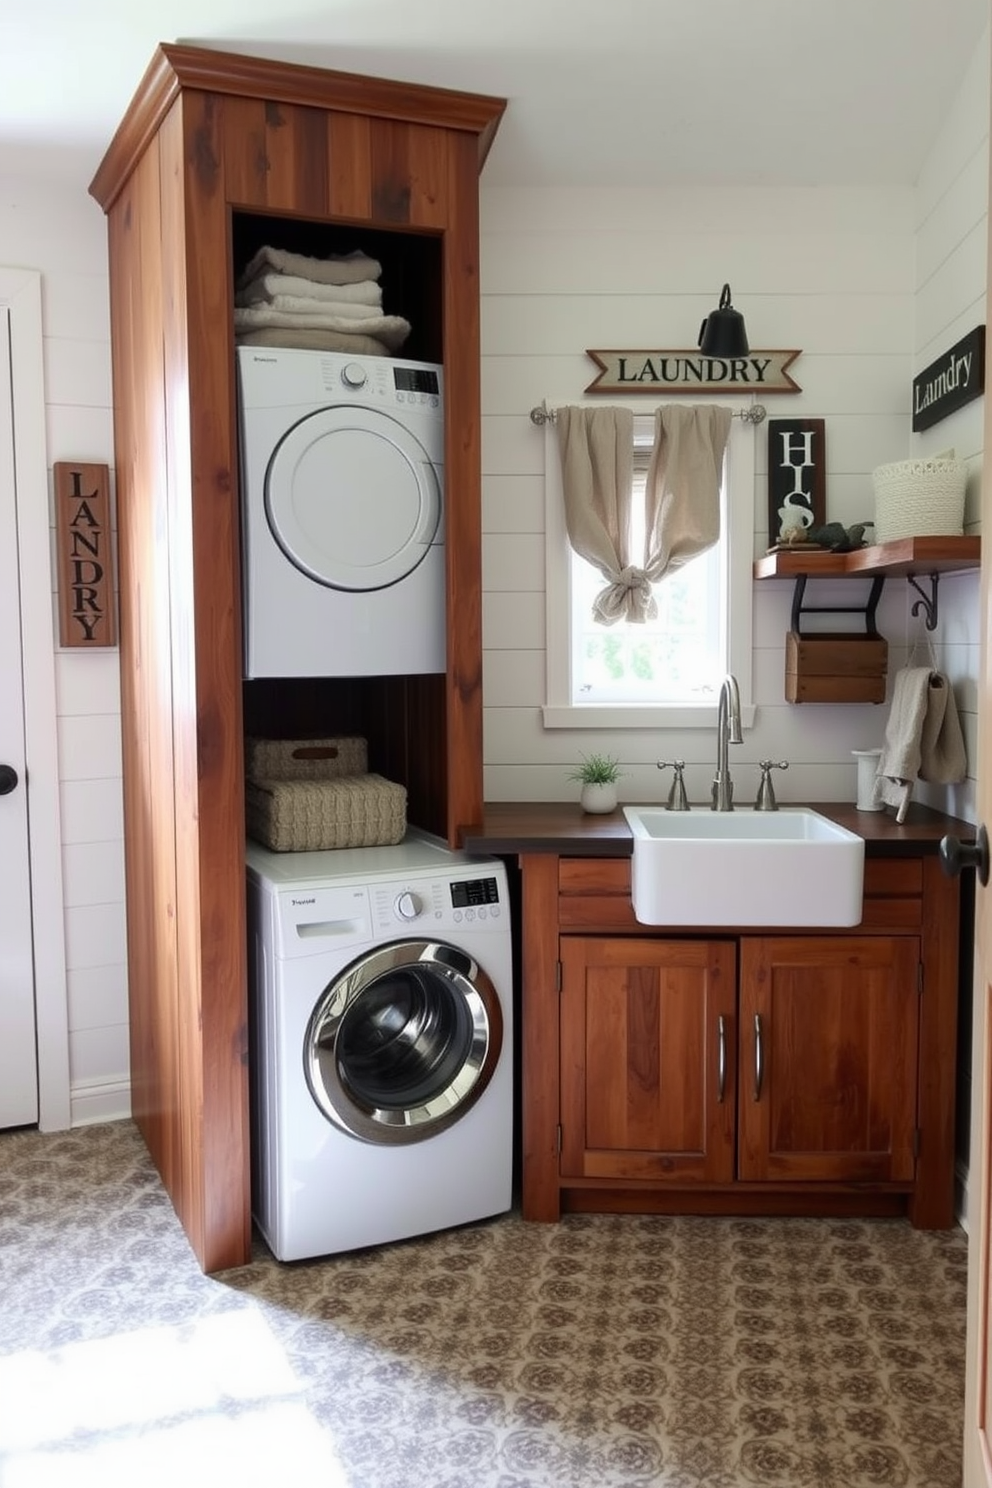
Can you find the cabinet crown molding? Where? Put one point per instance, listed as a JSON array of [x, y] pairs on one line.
[[174, 68]]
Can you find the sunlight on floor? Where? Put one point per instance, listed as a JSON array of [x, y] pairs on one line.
[[214, 1401]]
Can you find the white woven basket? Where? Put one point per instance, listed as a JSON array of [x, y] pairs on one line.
[[919, 498]]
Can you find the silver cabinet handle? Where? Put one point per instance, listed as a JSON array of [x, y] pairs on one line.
[[721, 1059], [759, 1058]]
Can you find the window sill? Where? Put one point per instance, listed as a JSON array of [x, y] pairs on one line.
[[605, 716]]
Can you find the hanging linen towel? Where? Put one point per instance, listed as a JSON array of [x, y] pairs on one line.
[[923, 739]]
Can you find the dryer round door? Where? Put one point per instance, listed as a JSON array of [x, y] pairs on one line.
[[352, 498], [403, 1042]]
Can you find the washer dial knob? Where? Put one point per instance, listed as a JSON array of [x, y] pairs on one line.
[[408, 906], [353, 375]]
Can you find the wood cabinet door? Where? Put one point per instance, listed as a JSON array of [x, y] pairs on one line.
[[828, 1058], [648, 1068]]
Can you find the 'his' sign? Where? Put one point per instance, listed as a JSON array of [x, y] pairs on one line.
[[82, 524]]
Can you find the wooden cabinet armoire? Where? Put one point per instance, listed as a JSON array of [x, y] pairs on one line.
[[217, 155]]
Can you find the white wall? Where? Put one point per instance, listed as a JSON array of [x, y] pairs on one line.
[[870, 285], [829, 271], [64, 236], [951, 245], [951, 249]]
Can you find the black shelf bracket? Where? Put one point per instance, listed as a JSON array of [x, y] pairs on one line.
[[868, 609], [926, 602]]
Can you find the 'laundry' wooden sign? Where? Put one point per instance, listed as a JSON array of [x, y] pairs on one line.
[[82, 525], [690, 372]]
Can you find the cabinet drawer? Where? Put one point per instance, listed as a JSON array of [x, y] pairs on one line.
[[595, 892], [892, 878]]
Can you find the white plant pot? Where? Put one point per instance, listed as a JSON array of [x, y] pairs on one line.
[[599, 797]]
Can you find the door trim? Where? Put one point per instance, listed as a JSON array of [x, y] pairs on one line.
[[20, 294]]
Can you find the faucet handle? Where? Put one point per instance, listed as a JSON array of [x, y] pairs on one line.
[[766, 794], [677, 798]]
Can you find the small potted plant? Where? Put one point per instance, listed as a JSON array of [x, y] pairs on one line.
[[598, 774]]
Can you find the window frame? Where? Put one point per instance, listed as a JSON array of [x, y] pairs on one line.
[[559, 711]]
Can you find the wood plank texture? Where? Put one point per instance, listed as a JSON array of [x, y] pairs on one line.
[[639, 1059], [830, 1049], [907, 555], [215, 155]]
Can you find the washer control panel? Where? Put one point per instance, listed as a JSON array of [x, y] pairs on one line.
[[433, 905]]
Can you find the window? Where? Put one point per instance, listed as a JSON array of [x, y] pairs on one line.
[[669, 670]]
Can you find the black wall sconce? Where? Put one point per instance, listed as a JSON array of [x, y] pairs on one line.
[[722, 333]]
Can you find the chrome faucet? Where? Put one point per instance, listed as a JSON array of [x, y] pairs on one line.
[[728, 731]]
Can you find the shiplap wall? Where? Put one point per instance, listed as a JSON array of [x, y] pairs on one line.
[[949, 299], [832, 272], [64, 235], [870, 285]]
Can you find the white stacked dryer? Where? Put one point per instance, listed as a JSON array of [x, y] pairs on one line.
[[381, 1044], [342, 487]]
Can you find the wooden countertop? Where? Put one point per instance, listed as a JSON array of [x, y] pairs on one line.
[[562, 827]]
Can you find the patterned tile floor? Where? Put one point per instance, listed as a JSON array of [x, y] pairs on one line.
[[604, 1352]]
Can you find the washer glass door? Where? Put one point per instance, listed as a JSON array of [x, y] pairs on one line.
[[403, 1042]]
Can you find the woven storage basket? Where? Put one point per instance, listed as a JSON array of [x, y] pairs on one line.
[[311, 815], [305, 759], [919, 498]]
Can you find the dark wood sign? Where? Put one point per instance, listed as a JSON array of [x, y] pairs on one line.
[[951, 381], [797, 476], [657, 372], [86, 584]]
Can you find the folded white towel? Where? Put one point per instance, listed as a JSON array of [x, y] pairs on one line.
[[310, 305], [392, 330], [266, 287], [923, 737], [314, 340], [347, 268]]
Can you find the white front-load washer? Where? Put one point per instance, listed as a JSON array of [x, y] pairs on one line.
[[342, 500], [381, 1040]]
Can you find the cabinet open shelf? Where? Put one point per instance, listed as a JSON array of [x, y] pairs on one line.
[[908, 555], [905, 558]]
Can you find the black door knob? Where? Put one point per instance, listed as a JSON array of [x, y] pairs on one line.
[[955, 855], [8, 779]]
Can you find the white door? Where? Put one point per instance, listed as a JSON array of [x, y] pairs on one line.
[[18, 1058]]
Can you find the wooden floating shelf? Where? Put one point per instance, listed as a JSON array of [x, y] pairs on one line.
[[909, 555]]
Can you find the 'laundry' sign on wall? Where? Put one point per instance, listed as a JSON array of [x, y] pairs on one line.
[[951, 381], [82, 525], [691, 372]]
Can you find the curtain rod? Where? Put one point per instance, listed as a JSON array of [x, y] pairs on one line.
[[756, 414]]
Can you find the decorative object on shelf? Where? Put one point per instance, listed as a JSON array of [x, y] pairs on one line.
[[832, 537], [920, 498], [85, 565], [950, 382], [722, 333], [797, 477], [598, 774]]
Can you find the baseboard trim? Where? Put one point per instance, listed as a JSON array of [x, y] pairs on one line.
[[100, 1100]]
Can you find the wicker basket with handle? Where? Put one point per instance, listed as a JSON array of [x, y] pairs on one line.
[[305, 759]]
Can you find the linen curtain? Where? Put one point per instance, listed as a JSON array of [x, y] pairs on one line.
[[681, 496]]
